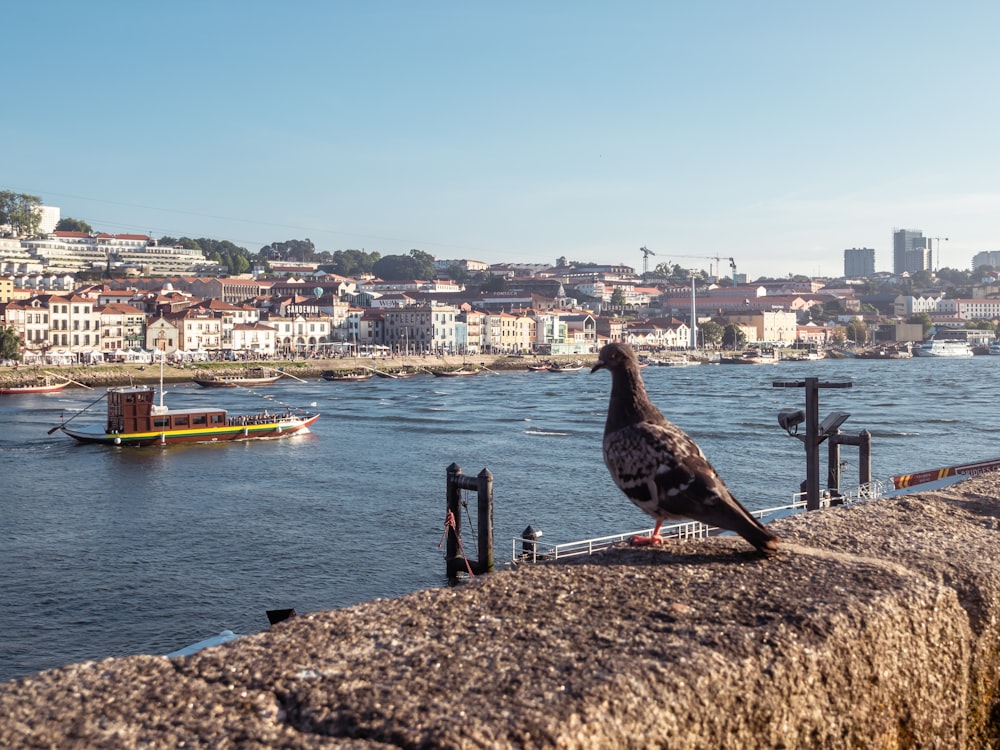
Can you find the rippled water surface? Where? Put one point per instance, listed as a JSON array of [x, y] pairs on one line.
[[113, 551]]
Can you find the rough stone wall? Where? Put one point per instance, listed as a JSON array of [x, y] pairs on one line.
[[875, 627]]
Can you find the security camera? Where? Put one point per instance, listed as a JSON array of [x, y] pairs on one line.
[[790, 419]]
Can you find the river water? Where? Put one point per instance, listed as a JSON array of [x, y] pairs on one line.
[[113, 551]]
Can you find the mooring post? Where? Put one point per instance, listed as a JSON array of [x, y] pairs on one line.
[[865, 457], [453, 558], [484, 488], [833, 464], [863, 441]]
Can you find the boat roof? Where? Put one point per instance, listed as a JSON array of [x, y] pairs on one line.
[[203, 410], [167, 409]]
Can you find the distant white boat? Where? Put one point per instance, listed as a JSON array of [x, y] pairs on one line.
[[994, 348], [943, 348], [751, 357]]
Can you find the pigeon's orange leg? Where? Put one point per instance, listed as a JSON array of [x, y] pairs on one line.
[[643, 541]]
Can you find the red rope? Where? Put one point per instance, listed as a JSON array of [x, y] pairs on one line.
[[449, 523]]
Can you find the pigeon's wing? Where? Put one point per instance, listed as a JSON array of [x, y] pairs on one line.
[[644, 456], [663, 471]]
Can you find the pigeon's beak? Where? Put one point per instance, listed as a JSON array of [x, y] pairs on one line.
[[598, 365]]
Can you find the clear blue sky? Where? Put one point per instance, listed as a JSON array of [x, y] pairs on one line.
[[778, 133]]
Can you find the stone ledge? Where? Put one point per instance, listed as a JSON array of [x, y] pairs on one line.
[[876, 626]]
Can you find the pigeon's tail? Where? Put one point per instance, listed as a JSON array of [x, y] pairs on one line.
[[765, 541], [736, 518]]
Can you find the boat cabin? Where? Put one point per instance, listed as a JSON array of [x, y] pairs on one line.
[[132, 410]]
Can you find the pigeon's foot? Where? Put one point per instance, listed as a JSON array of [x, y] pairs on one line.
[[647, 541]]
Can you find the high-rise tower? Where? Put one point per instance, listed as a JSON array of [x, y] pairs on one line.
[[859, 262], [909, 251]]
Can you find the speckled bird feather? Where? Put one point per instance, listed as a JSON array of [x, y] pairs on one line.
[[649, 460]]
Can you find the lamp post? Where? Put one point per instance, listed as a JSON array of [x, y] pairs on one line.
[[816, 431], [694, 318]]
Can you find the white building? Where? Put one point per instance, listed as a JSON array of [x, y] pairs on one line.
[[15, 259], [73, 252], [970, 309], [300, 334], [420, 328], [49, 219], [906, 305], [122, 327], [255, 339]]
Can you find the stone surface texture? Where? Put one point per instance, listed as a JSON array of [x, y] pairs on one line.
[[875, 626]]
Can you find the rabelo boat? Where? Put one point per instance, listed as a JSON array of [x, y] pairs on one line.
[[134, 419]]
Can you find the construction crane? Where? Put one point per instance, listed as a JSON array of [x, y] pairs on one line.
[[718, 261], [646, 252]]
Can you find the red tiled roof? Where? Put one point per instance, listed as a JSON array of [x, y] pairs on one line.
[[118, 307]]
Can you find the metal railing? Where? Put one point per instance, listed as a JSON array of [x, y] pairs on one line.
[[532, 550]]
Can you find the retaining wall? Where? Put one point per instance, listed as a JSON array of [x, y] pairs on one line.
[[876, 626]]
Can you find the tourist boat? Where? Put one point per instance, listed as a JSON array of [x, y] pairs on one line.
[[994, 348], [134, 419], [253, 377], [347, 377], [943, 348], [41, 385]]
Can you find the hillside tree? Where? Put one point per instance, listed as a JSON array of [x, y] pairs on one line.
[[21, 213], [73, 225], [416, 265], [296, 251], [352, 263], [10, 344]]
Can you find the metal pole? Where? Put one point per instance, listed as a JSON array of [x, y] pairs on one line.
[[812, 443]]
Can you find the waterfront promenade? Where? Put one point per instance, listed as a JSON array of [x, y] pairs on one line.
[[119, 374], [877, 625]]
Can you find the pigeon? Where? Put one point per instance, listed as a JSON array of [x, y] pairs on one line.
[[659, 467]]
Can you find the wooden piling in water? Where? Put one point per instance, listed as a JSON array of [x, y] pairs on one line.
[[456, 559]]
